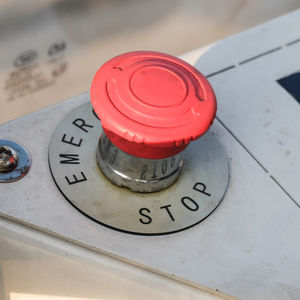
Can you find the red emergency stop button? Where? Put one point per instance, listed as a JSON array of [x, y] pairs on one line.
[[152, 105]]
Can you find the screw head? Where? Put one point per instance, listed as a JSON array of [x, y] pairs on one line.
[[8, 158]]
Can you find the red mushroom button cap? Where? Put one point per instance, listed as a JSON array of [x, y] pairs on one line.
[[152, 105]]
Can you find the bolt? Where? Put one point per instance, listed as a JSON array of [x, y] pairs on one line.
[[8, 159]]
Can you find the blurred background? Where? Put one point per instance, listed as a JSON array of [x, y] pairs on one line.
[[51, 49]]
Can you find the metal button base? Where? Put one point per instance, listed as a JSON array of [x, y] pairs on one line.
[[195, 194], [137, 174]]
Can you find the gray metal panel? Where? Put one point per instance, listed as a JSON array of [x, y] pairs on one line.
[[249, 246]]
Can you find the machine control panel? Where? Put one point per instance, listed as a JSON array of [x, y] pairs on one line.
[[248, 158]]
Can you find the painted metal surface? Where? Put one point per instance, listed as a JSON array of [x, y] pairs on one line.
[[37, 266]]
